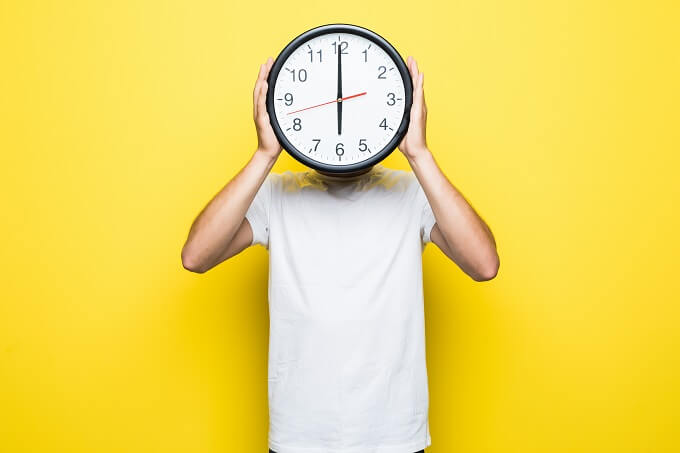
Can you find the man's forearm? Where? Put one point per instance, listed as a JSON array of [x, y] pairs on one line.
[[215, 226], [464, 231]]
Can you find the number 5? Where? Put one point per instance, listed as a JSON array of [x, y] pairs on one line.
[[362, 145]]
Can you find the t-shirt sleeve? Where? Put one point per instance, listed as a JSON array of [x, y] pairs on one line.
[[424, 211], [258, 212]]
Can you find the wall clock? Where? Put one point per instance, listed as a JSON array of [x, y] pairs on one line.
[[339, 98]]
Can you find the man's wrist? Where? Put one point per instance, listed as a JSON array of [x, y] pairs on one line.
[[265, 156], [415, 157]]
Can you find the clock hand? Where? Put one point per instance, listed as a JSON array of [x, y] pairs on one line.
[[329, 102], [339, 96]]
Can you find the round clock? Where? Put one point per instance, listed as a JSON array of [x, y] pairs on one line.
[[339, 98]]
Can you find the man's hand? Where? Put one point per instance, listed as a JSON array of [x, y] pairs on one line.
[[221, 230], [267, 143], [459, 231], [414, 142]]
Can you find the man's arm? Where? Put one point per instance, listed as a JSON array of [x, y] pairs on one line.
[[459, 231], [221, 230]]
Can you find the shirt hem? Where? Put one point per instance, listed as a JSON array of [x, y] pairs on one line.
[[412, 447]]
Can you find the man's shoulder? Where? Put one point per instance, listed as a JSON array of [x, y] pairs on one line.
[[394, 179], [290, 180], [397, 174]]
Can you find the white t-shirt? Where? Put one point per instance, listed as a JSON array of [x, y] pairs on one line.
[[346, 370]]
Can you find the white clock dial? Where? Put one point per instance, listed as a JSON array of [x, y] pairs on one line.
[[339, 109]]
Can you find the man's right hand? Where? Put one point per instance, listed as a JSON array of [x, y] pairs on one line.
[[267, 143], [221, 230]]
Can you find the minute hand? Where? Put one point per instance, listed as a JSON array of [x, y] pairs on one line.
[[339, 96]]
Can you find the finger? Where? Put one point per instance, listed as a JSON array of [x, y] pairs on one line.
[[256, 90], [414, 69], [261, 102], [262, 96], [417, 86], [417, 106], [409, 64], [263, 69], [267, 67], [256, 95], [420, 94]]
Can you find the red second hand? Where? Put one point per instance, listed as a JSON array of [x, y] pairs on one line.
[[329, 102]]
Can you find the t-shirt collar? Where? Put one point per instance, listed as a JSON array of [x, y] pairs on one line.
[[347, 178]]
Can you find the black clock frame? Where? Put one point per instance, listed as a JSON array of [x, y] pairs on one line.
[[408, 97]]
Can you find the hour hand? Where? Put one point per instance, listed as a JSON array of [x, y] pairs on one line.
[[339, 96]]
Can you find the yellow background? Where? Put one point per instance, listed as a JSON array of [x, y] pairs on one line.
[[119, 120]]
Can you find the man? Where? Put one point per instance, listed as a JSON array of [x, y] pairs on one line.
[[347, 371]]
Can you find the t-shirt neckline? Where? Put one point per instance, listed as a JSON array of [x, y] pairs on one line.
[[368, 174]]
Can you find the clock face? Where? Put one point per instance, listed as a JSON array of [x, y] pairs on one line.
[[339, 98]]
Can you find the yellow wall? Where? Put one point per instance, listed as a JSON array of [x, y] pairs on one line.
[[119, 120]]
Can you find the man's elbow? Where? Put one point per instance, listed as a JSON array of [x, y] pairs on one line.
[[489, 270], [191, 264]]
